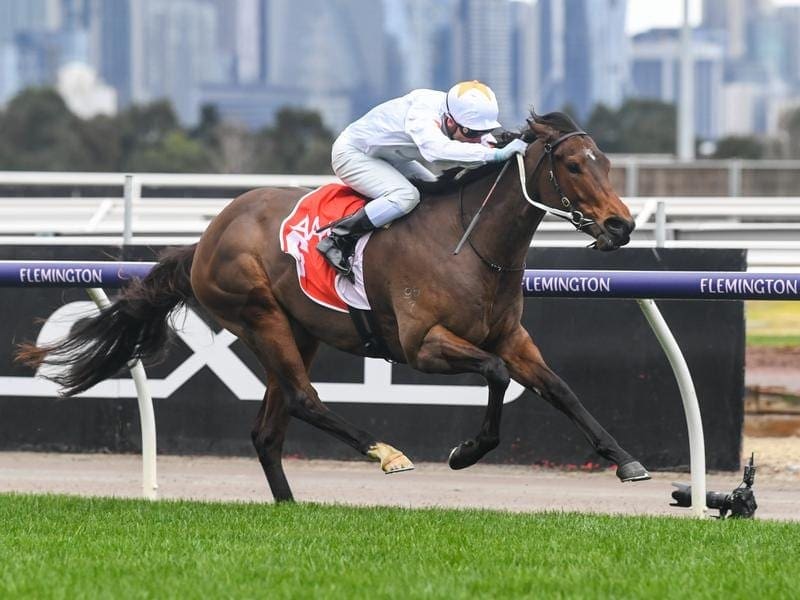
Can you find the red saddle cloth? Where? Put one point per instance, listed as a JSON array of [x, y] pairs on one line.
[[299, 238]]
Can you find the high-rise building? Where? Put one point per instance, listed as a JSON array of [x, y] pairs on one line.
[[76, 14], [39, 37], [27, 15], [252, 106], [730, 17], [762, 54], [765, 43], [110, 34], [173, 52], [755, 108], [419, 30], [482, 49], [551, 54], [249, 45], [656, 75], [526, 87], [226, 42], [334, 49], [584, 54], [789, 17], [608, 52], [40, 54], [9, 74], [579, 42]]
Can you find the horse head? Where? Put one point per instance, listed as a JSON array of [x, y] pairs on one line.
[[568, 172]]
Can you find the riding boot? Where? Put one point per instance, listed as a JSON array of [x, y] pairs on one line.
[[339, 246]]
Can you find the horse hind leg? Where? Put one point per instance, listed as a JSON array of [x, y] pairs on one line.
[[269, 429], [269, 432], [286, 354]]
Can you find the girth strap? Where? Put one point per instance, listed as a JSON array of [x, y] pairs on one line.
[[374, 345]]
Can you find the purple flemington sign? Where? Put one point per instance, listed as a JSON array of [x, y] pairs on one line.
[[62, 274], [700, 285], [688, 285]]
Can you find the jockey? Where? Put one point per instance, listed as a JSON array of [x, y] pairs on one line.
[[417, 135]]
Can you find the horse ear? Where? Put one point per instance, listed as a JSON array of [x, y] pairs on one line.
[[541, 130]]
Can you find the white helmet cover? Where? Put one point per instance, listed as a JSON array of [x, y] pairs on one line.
[[473, 104]]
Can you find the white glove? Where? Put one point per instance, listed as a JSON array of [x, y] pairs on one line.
[[513, 147]]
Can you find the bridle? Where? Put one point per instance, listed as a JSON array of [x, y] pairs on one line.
[[573, 216]]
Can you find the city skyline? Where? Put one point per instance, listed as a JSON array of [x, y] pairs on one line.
[[647, 14], [249, 58]]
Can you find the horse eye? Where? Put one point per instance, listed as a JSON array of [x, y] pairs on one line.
[[573, 168]]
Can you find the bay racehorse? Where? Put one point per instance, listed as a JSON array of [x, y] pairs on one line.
[[464, 314]]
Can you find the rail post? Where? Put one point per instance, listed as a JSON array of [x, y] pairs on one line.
[[132, 193], [661, 224], [147, 416], [691, 408]]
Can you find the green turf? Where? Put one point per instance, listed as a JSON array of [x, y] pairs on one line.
[[772, 323], [63, 547], [773, 340]]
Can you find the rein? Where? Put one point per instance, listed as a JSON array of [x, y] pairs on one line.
[[487, 262], [575, 217]]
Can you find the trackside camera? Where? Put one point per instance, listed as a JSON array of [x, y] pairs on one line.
[[740, 503]]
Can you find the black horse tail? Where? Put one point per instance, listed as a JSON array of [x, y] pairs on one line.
[[134, 326]]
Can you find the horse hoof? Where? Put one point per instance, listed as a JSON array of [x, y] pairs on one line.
[[397, 463], [632, 471], [459, 459], [391, 459]]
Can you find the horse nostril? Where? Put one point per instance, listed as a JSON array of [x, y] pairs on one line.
[[619, 228]]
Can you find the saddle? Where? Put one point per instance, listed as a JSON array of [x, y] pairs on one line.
[[299, 235]]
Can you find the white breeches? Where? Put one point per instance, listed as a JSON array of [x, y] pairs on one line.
[[391, 194]]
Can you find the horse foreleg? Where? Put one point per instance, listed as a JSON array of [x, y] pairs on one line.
[[444, 352], [526, 366]]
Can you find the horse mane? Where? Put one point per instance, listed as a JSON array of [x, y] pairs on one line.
[[452, 178], [455, 178]]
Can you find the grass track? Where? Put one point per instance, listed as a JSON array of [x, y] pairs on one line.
[[773, 322], [67, 547]]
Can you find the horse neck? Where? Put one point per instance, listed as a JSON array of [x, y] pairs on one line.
[[507, 224]]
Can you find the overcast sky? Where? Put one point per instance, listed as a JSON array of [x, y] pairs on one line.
[[644, 14]]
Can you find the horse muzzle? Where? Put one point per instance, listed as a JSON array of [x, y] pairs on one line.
[[614, 233]]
